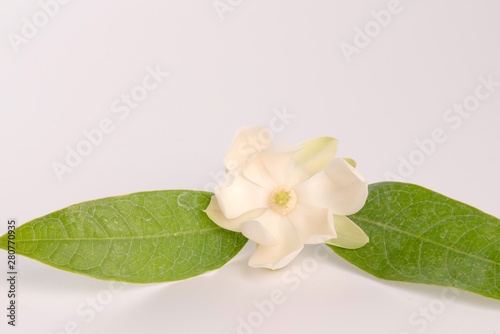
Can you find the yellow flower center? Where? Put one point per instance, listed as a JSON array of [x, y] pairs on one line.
[[283, 200]]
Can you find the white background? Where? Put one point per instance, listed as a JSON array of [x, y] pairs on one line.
[[228, 70]]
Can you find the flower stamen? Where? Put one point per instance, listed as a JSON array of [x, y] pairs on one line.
[[282, 200]]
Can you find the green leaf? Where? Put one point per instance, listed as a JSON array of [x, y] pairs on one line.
[[419, 236], [144, 237]]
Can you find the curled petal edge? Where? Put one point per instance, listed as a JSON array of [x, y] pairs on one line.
[[317, 153], [349, 235], [215, 213]]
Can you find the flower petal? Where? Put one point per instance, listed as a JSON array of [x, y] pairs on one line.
[[279, 162], [238, 196], [257, 232], [246, 143], [340, 187], [214, 212], [287, 248], [313, 225], [349, 235], [256, 172], [299, 175], [317, 153]]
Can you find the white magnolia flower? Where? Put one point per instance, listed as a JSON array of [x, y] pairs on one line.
[[284, 196]]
